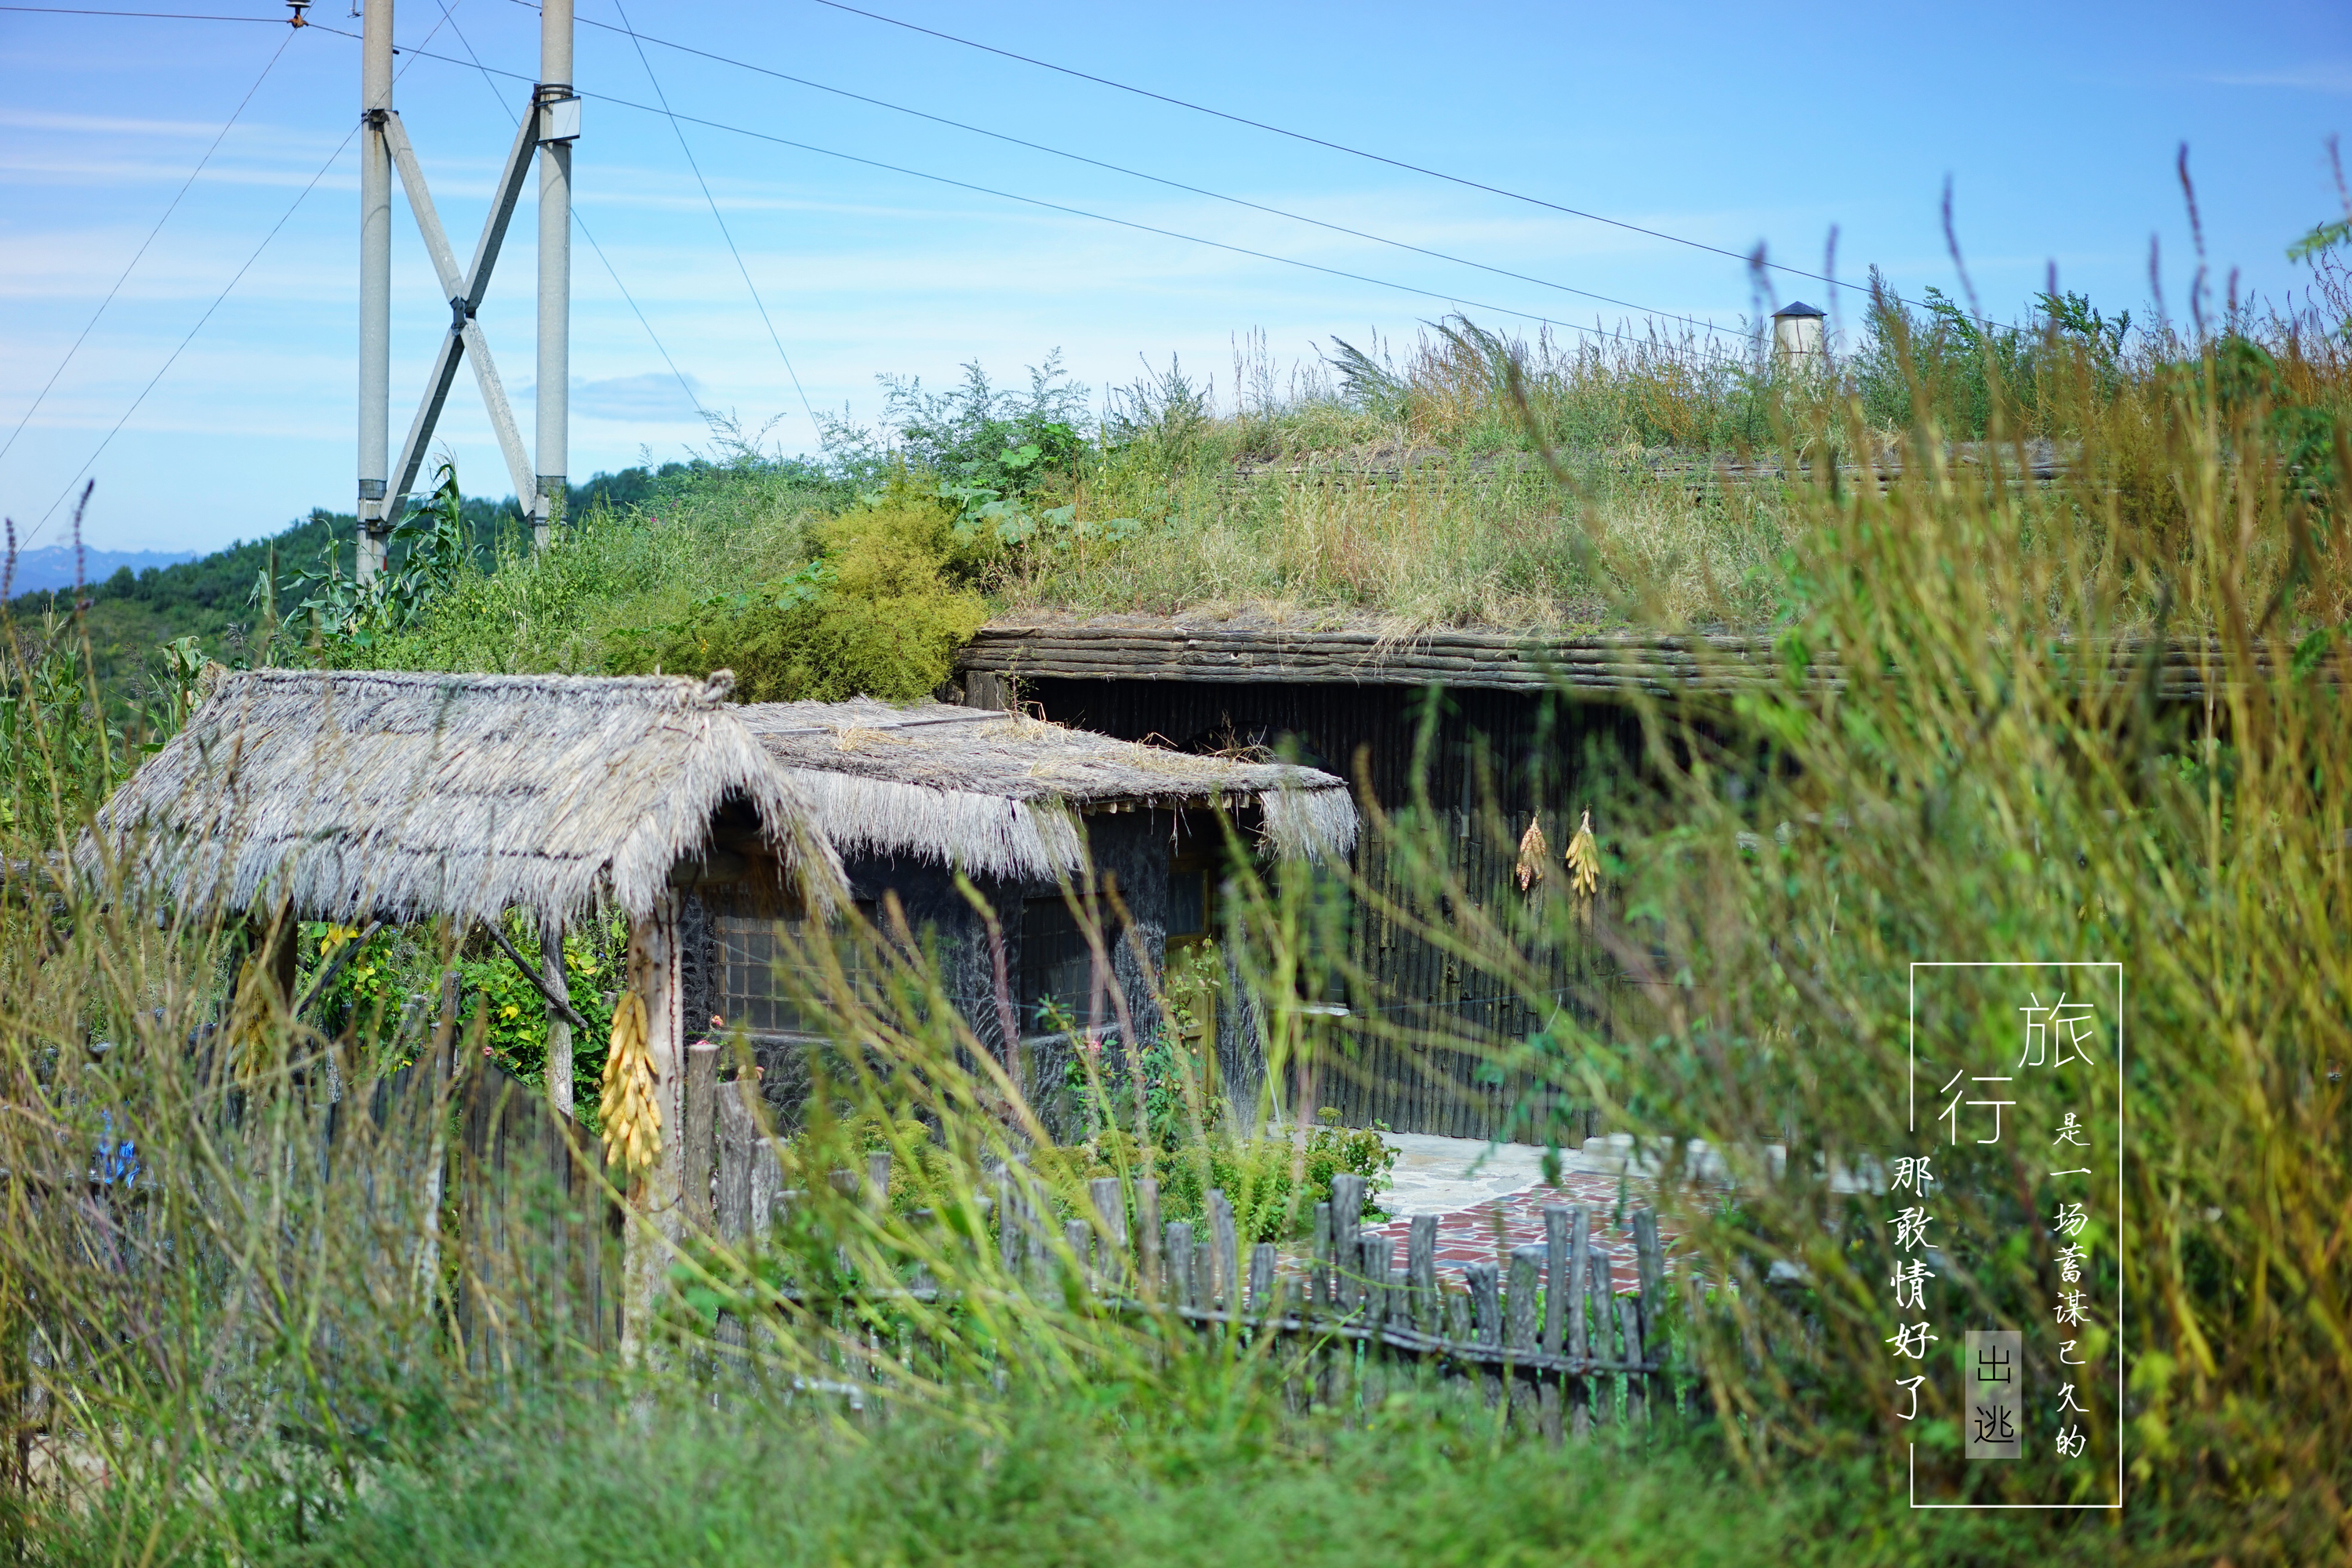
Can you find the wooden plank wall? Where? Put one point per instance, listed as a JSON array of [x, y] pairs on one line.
[[1606, 664]]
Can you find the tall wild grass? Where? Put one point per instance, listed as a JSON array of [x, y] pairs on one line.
[[228, 1338]]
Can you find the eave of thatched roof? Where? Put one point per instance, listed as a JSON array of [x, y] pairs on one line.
[[996, 792], [406, 794]]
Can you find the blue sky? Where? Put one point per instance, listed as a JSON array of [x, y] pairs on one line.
[[2057, 126]]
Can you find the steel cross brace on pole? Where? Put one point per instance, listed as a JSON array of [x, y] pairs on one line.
[[465, 339]]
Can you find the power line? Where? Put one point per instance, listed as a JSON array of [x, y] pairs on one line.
[[184, 341], [1334, 146], [578, 222], [642, 39], [149, 15], [283, 219], [683, 386], [1455, 299], [186, 186], [758, 303]]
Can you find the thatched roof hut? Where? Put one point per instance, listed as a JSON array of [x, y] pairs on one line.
[[995, 793], [404, 796]]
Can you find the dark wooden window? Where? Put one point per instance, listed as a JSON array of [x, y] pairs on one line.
[[756, 956], [1187, 900], [1057, 969]]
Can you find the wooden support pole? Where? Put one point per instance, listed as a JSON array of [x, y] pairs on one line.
[[558, 990], [445, 1028], [283, 958]]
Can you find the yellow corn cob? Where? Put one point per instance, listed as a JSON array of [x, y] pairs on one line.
[[631, 1116], [1531, 856], [1584, 861]]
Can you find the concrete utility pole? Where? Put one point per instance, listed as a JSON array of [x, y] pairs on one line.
[[556, 102], [548, 126], [375, 282]]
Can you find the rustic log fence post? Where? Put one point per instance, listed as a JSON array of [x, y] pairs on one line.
[[1600, 1313], [1319, 1277], [1263, 1259], [1421, 1270], [1650, 1265], [1486, 1318], [1629, 1319], [1147, 1236], [1178, 1251], [735, 1136], [770, 1200], [1226, 1243], [1383, 1298], [1520, 1320], [701, 1111], [1009, 1248], [1110, 1230], [1555, 1315], [1580, 1337]]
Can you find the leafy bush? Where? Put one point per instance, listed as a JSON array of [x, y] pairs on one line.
[[877, 613], [1274, 1182], [368, 993], [1010, 443]]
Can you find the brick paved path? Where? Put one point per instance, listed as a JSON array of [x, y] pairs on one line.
[[1487, 1231]]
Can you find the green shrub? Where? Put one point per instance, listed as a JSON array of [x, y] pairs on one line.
[[878, 613], [1274, 1182]]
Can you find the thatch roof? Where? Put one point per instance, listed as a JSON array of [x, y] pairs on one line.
[[994, 792], [405, 795]]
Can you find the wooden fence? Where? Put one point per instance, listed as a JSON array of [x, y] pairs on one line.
[[1554, 1340], [538, 1237]]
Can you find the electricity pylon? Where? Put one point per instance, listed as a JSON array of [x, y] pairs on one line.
[[549, 124]]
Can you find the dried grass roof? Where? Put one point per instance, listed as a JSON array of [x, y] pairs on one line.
[[405, 795], [994, 792]]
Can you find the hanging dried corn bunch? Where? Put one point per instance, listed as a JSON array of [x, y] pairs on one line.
[[1584, 865], [632, 1118], [1532, 852]]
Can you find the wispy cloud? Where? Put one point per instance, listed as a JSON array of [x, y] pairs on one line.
[[653, 397], [2314, 76]]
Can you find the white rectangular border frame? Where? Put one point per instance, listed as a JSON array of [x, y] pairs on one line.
[[1911, 1450]]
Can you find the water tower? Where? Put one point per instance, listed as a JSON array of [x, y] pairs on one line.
[[1797, 344]]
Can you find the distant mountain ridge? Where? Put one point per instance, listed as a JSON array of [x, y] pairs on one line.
[[52, 566]]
